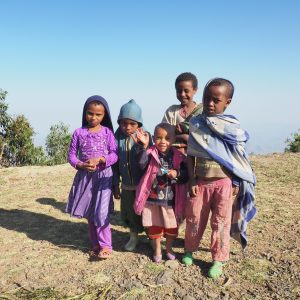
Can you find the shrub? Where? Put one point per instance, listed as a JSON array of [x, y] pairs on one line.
[[5, 119], [293, 143], [57, 144], [20, 150]]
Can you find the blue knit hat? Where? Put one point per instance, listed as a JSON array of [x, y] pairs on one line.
[[132, 111]]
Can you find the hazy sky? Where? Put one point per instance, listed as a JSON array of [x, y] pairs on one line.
[[55, 54]]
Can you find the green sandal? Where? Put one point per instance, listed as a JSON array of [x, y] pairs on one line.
[[216, 270], [188, 258]]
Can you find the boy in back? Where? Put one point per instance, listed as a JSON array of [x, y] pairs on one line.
[[179, 115]]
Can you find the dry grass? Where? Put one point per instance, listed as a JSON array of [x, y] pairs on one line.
[[44, 251]]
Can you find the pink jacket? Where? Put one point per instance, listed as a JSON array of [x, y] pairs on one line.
[[144, 186]]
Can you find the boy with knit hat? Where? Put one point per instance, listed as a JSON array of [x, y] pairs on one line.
[[126, 170]]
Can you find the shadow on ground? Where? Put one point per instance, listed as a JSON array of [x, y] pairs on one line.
[[53, 202], [43, 227], [61, 206]]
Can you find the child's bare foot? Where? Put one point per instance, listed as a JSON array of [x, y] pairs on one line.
[[104, 253]]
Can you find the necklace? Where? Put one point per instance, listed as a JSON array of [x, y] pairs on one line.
[[184, 111]]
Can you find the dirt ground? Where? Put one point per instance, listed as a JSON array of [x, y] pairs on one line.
[[44, 252]]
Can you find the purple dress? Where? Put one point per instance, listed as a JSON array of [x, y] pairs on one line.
[[91, 192]]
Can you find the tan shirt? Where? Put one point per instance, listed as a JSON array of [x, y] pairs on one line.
[[172, 115]]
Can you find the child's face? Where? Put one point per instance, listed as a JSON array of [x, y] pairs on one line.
[[215, 100], [163, 140], [185, 92], [94, 114], [128, 126]]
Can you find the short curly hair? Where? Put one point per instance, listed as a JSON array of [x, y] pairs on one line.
[[167, 127], [187, 76], [220, 82]]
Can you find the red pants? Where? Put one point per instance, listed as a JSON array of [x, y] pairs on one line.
[[156, 232], [214, 196]]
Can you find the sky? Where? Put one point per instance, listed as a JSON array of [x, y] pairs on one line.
[[55, 54]]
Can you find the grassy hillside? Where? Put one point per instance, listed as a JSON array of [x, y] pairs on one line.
[[44, 251]]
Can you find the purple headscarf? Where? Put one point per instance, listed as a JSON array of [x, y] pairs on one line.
[[107, 119]]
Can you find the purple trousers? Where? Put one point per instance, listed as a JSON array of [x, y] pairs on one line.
[[100, 236]]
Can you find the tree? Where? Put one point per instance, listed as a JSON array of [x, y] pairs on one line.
[[5, 121], [4, 116], [293, 143], [20, 149], [57, 144]]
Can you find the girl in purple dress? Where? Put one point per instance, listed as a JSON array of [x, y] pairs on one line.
[[92, 152]]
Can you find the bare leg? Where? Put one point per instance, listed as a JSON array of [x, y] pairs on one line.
[[157, 247], [169, 242]]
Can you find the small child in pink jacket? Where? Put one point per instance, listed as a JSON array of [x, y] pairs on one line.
[[161, 193]]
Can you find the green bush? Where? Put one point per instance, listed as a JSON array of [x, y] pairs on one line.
[[16, 139], [20, 149], [5, 119], [57, 144], [293, 143]]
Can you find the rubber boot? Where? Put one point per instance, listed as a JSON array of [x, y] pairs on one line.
[[133, 241]]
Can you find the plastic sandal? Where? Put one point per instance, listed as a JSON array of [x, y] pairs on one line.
[[157, 258], [170, 256], [104, 253], [188, 258], [216, 270]]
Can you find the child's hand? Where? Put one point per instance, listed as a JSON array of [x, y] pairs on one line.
[[87, 166], [178, 128], [116, 191], [102, 160], [180, 220], [140, 136], [193, 188], [172, 174], [235, 190], [97, 160]]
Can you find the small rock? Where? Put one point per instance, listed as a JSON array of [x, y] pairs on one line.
[[224, 295], [165, 277], [180, 292], [172, 264], [188, 297], [212, 295], [137, 284]]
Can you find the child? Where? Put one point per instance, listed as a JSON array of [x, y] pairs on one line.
[[129, 119], [160, 195], [92, 152], [216, 161], [186, 85]]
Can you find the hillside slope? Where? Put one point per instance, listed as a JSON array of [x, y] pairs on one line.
[[44, 252]]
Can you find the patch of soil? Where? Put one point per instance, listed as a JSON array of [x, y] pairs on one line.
[[44, 252]]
